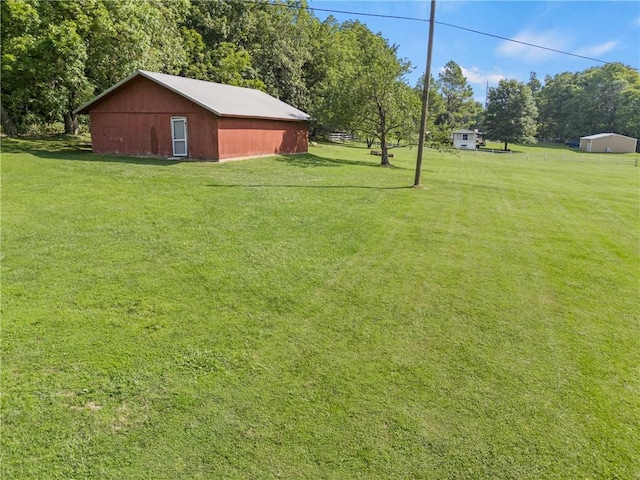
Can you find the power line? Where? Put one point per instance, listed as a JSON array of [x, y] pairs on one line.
[[520, 42], [415, 19], [366, 14]]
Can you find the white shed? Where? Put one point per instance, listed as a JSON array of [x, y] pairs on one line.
[[608, 143], [466, 139]]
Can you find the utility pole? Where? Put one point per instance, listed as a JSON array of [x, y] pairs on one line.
[[425, 95], [486, 95]]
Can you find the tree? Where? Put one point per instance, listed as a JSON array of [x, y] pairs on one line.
[[380, 101], [335, 59], [256, 44], [126, 35], [511, 113], [43, 65], [19, 28], [278, 44], [599, 99], [457, 95], [57, 55], [601, 95], [212, 37], [556, 107], [628, 116], [232, 65], [328, 60], [64, 83], [534, 84], [438, 134]]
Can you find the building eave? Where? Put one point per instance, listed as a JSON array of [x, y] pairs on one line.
[[85, 109]]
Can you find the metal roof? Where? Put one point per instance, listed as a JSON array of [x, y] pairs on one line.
[[602, 135], [465, 130], [223, 100]]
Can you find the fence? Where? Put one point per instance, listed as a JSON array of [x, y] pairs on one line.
[[340, 137], [568, 156]]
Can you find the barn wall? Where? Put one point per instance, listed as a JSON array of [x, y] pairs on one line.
[[136, 119], [150, 134], [246, 137]]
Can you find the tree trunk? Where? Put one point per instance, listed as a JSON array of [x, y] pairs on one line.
[[505, 146], [370, 141], [9, 127], [70, 123], [385, 152], [383, 137]]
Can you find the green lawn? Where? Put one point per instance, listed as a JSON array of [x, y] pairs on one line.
[[314, 317]]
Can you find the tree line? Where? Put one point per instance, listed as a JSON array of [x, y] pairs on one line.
[[58, 55]]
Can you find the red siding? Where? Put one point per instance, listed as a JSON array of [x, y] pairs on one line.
[[136, 119], [246, 137], [150, 134]]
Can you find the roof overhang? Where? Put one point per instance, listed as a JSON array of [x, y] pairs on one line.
[[85, 109], [605, 135]]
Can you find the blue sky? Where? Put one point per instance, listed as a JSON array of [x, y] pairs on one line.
[[604, 30]]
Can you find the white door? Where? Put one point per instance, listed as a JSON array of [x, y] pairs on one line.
[[179, 136]]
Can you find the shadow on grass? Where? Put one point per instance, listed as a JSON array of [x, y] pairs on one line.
[[253, 185], [309, 160], [552, 145], [354, 145], [363, 146], [514, 148], [73, 148], [78, 148], [47, 144]]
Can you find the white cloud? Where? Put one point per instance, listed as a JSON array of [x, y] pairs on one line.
[[598, 49], [479, 79], [475, 76], [554, 39], [453, 6]]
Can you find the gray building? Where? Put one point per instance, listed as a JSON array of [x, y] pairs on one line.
[[608, 143]]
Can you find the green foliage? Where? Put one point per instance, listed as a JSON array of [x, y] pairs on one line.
[[223, 63], [534, 84], [43, 63], [556, 107], [373, 99], [511, 113], [278, 47], [460, 110], [57, 55], [279, 51], [254, 44], [597, 100], [130, 35]]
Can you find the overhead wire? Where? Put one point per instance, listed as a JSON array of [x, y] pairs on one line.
[[416, 19]]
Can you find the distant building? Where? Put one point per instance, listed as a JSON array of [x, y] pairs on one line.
[[608, 143], [467, 139], [154, 114]]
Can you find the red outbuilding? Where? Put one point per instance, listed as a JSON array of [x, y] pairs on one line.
[[154, 114]]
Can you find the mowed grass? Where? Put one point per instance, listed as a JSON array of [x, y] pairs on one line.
[[314, 317]]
